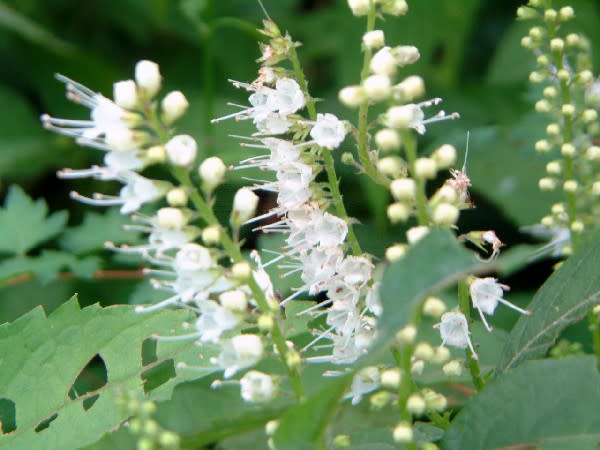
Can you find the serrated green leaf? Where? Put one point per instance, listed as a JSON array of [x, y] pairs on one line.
[[42, 356], [562, 300], [96, 229], [432, 264], [25, 224], [536, 403], [302, 426], [47, 265]]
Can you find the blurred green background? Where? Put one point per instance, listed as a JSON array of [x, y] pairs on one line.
[[470, 56]]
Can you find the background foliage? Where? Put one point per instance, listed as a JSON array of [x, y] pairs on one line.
[[470, 56]]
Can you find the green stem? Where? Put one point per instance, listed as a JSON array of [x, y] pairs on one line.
[[594, 323], [410, 147], [328, 161], [465, 308]]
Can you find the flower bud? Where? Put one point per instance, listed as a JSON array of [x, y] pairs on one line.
[[211, 235], [125, 94], [446, 194], [542, 146], [398, 212], [548, 221], [397, 251], [553, 168], [445, 214], [409, 89], [527, 42], [395, 7], [257, 387], [374, 39], [265, 323], [452, 368], [407, 334], [391, 378], [171, 218], [441, 355], [563, 75], [435, 401], [589, 115], [425, 168], [567, 109], [566, 13], [380, 400], [536, 77], [245, 202], [445, 156], [241, 271], [352, 96], [552, 129], [147, 76], [271, 427], [567, 149], [342, 441], [377, 87], [403, 189], [415, 404], [168, 439], [524, 12], [557, 45], [359, 7], [593, 153], [572, 40], [547, 184], [177, 197], [417, 367], [156, 154], [181, 150], [423, 351], [174, 105], [212, 172], [558, 208], [234, 301], [434, 307], [570, 186], [383, 62], [415, 234], [577, 226], [392, 166], [406, 54], [550, 15], [388, 139], [403, 433], [543, 106]]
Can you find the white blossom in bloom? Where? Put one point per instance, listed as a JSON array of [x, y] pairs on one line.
[[328, 131], [355, 270], [116, 164], [455, 331], [181, 150], [486, 293], [319, 266], [288, 97], [412, 116], [238, 353], [214, 320], [366, 380], [257, 387], [373, 300]]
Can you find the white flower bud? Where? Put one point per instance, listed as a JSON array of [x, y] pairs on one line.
[[257, 387], [359, 7], [374, 39], [553, 168], [570, 186], [388, 139], [585, 77], [265, 322], [552, 129], [415, 404], [404, 189], [377, 87], [410, 88], [425, 168], [423, 351], [417, 367], [536, 77], [452, 368], [567, 109], [383, 62], [212, 172], [390, 166], [445, 156], [174, 105], [563, 75], [245, 202], [550, 15], [577, 226], [181, 150], [125, 94], [352, 96], [566, 13], [543, 106], [434, 400], [434, 307], [407, 334], [398, 212], [271, 427], [147, 76], [542, 146], [596, 188], [550, 92], [527, 42], [171, 218], [589, 115], [397, 251], [403, 433], [547, 184], [241, 271], [593, 153], [395, 7], [156, 154], [406, 54], [234, 301], [445, 214], [558, 208], [548, 221], [415, 234], [441, 355], [391, 378], [572, 40], [567, 149], [446, 194], [211, 235], [177, 197]]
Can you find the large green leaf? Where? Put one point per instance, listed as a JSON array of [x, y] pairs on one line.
[[540, 403], [302, 427], [433, 263], [24, 223], [43, 356], [563, 299]]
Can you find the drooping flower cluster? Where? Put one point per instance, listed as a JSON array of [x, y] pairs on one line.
[[315, 245]]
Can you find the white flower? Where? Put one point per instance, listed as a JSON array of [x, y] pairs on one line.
[[412, 116], [293, 184], [257, 387], [318, 266], [125, 94], [181, 150], [373, 300], [366, 380], [455, 331], [374, 39], [174, 105], [328, 131], [486, 293], [147, 76], [212, 170], [214, 320], [383, 62], [289, 97], [244, 205], [239, 352], [116, 164], [355, 270], [192, 258]]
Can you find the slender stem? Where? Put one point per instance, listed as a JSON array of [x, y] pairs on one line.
[[410, 146], [465, 308], [594, 323], [328, 161]]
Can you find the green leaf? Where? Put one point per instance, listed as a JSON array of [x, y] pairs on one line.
[[96, 229], [563, 299], [302, 426], [535, 404], [24, 223], [435, 262], [43, 356], [47, 265]]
